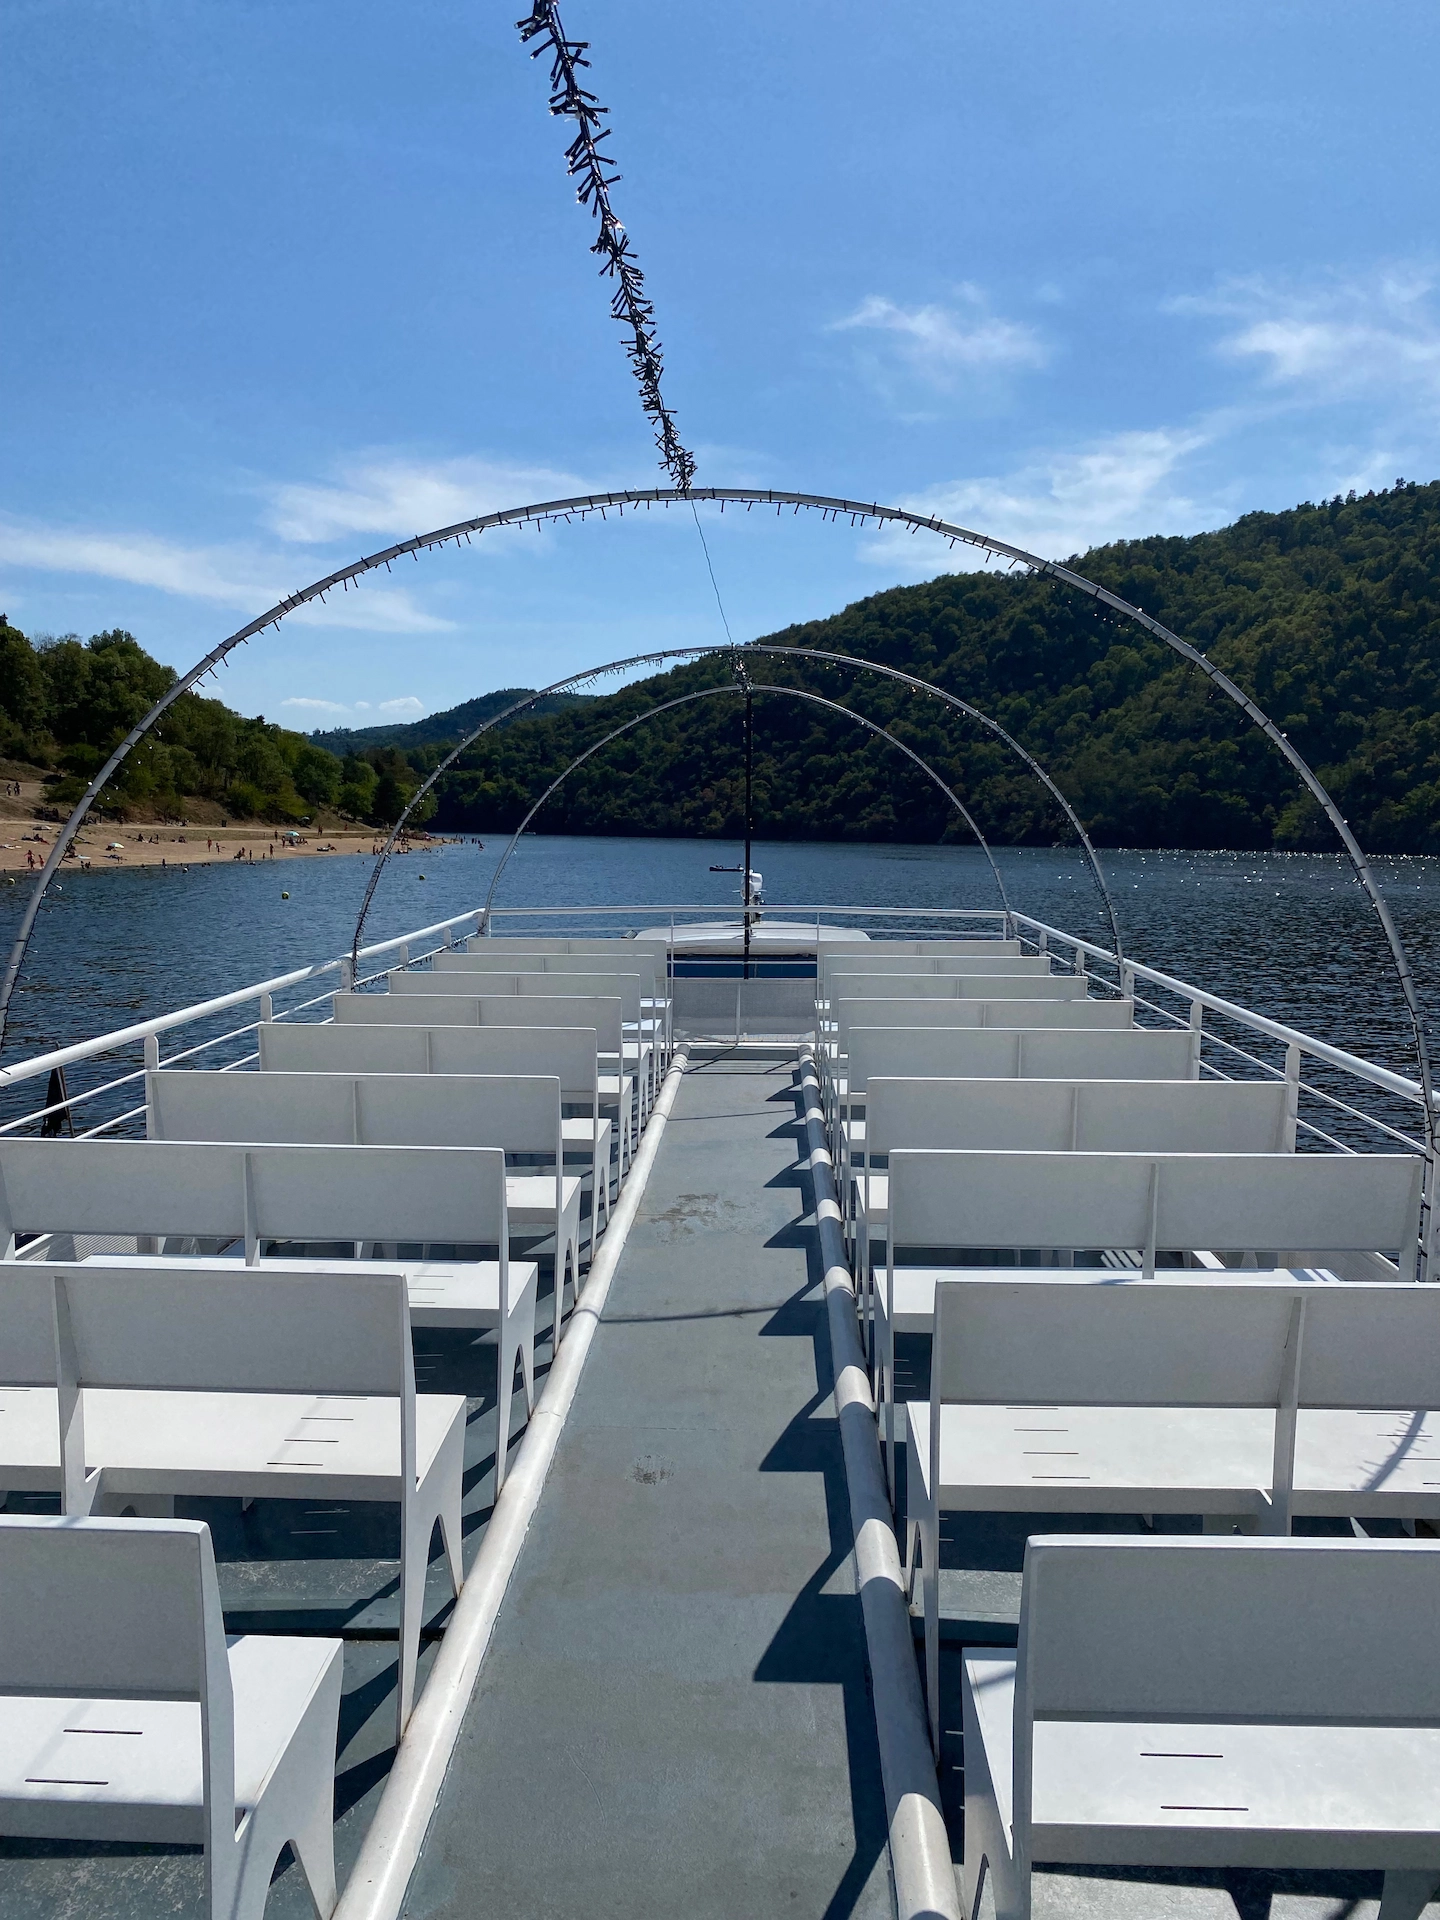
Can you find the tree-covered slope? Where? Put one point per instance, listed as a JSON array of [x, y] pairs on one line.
[[1328, 614], [438, 729]]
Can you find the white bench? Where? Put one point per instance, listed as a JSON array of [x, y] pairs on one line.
[[958, 986], [602, 1012], [835, 967], [848, 1014], [517, 1114], [69, 1191], [604, 956], [983, 948], [1059, 1116], [637, 1049], [1210, 1703], [248, 1383], [994, 1053], [1249, 1399], [125, 1717], [569, 1053], [1284, 1209]]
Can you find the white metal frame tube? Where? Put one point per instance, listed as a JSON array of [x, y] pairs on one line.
[[925, 1885]]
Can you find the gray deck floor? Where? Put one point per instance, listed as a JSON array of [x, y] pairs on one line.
[[673, 1717]]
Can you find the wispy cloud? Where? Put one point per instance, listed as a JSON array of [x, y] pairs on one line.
[[405, 707], [235, 577], [940, 348], [1341, 337], [1121, 487], [384, 494]]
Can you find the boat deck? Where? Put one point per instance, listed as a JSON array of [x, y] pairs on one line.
[[674, 1710], [673, 1715]]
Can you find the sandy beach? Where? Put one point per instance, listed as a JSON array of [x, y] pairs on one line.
[[25, 845]]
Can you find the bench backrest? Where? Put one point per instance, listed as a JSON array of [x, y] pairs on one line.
[[116, 1608], [834, 966], [1227, 1630], [244, 1330], [1324, 1203], [446, 1195], [999, 1012], [27, 1326], [931, 949], [993, 1053], [1082, 1340], [622, 986], [1102, 1116], [485, 1010], [959, 986], [481, 957], [567, 1053], [517, 1113]]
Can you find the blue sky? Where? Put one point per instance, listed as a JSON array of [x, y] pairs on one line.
[[284, 281]]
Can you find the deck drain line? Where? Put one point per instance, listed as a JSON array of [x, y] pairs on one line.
[[919, 1845], [391, 1849]]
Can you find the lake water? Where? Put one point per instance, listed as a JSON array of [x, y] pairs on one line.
[[1286, 934]]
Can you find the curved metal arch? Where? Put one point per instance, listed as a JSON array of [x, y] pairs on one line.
[[706, 693], [715, 648], [831, 507]]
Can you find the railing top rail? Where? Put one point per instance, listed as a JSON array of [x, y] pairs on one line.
[[769, 910], [1383, 1077]]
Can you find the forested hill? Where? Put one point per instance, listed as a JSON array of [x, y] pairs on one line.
[[439, 729], [1328, 614]]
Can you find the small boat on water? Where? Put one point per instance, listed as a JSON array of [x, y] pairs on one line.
[[665, 1373]]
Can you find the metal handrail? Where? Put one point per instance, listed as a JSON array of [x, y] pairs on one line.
[[1384, 1077]]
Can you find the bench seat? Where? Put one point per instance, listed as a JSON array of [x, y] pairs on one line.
[[1122, 1792]]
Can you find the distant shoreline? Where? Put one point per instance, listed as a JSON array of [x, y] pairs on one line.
[[106, 846]]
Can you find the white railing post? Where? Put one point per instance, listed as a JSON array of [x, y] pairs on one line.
[[347, 975], [152, 1052], [1292, 1095], [1197, 1032], [267, 1009]]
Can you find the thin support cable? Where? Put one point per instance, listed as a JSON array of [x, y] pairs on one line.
[[709, 568]]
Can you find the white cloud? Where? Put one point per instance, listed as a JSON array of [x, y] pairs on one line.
[[1121, 487], [225, 576], [940, 345], [140, 559], [1343, 337], [401, 497], [404, 707], [316, 706]]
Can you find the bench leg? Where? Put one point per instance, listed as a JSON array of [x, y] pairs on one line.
[[1406, 1895], [987, 1845], [314, 1845], [928, 1534], [415, 1531]]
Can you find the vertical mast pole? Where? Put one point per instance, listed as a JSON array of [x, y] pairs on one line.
[[749, 809]]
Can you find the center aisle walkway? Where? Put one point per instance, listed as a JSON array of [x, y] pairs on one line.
[[673, 1717]]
